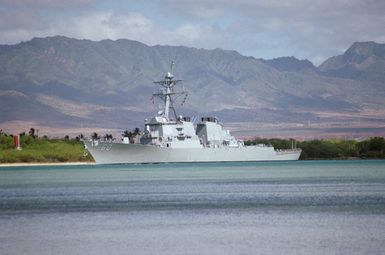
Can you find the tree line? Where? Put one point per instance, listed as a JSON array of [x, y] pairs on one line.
[[131, 135], [373, 147], [44, 149]]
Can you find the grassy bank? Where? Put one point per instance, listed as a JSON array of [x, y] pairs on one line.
[[42, 150], [372, 148]]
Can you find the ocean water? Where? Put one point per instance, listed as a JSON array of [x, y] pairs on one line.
[[303, 207]]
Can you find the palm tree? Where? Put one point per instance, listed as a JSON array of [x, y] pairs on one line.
[[95, 136], [32, 132], [128, 134], [125, 133], [108, 137], [136, 133], [79, 137]]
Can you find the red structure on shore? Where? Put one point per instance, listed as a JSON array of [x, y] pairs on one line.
[[16, 142]]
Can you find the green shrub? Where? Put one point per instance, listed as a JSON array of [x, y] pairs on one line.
[[331, 149], [42, 150]]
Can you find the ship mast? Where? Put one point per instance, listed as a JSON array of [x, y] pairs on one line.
[[167, 94]]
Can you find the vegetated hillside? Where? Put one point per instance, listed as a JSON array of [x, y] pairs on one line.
[[59, 81]]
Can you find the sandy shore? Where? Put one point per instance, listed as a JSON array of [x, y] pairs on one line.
[[46, 164]]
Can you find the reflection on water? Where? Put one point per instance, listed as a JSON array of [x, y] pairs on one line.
[[309, 207]]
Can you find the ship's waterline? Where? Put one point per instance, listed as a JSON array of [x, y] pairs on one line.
[[107, 153]]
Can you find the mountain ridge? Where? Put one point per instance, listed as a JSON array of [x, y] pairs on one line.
[[112, 81], [291, 64], [362, 61]]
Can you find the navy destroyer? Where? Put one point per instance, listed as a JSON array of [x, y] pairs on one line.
[[172, 138]]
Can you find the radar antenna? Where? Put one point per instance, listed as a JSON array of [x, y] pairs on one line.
[[168, 94]]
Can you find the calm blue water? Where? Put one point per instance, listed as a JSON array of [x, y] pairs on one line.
[[304, 207]]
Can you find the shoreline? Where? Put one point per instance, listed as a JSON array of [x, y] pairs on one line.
[[46, 164], [18, 164]]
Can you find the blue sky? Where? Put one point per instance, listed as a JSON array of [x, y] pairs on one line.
[[315, 29]]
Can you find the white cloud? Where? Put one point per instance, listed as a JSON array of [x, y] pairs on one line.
[[103, 25], [309, 29], [189, 33], [263, 28], [134, 26], [46, 4]]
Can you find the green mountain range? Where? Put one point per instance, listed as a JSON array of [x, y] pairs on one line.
[[63, 82]]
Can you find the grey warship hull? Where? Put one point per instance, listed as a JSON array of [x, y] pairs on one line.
[[177, 139], [119, 153]]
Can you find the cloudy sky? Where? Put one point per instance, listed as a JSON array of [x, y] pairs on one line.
[[312, 29]]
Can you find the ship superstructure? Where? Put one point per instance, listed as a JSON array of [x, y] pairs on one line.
[[169, 137]]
